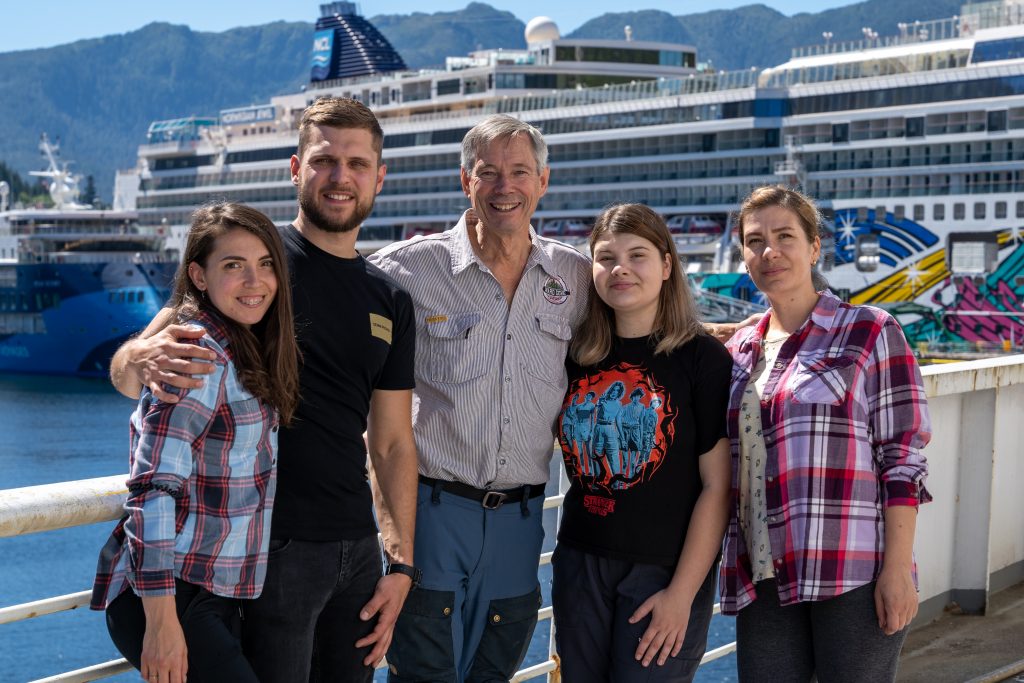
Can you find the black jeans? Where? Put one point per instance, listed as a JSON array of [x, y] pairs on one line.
[[305, 624], [593, 598], [210, 624], [836, 640]]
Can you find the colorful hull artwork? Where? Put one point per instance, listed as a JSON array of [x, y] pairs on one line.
[[984, 311]]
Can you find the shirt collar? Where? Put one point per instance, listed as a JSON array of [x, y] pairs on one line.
[[214, 325], [823, 316], [462, 254]]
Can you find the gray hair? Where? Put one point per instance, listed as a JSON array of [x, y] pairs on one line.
[[499, 127]]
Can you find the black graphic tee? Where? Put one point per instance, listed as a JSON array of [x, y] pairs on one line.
[[632, 429]]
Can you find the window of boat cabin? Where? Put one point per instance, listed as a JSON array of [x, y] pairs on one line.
[[998, 50], [939, 212], [959, 211], [915, 127], [996, 120], [840, 132], [918, 213], [1000, 209], [979, 210]]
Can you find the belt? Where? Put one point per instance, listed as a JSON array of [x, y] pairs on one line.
[[489, 499]]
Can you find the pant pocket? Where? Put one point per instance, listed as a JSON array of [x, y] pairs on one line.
[[510, 624], [421, 648]]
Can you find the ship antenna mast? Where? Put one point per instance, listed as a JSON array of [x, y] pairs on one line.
[[63, 184]]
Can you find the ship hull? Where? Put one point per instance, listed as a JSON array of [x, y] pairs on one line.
[[69, 319]]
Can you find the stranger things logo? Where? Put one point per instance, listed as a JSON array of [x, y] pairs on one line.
[[615, 429], [598, 505]]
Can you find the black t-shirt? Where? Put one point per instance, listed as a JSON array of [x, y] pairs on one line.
[[632, 429], [356, 334]]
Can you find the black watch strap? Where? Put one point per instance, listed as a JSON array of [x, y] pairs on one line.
[[407, 569]]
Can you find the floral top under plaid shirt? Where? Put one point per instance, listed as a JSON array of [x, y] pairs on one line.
[[844, 418], [200, 489]]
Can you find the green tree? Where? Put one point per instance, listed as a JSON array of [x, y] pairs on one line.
[[88, 195]]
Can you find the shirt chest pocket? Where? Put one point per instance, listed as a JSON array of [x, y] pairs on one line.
[[824, 380], [241, 428], [546, 359], [455, 353]]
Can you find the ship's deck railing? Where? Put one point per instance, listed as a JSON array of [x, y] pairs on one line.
[[48, 507], [967, 543], [626, 92]]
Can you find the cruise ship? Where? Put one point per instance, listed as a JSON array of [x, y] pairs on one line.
[[75, 281], [913, 144]]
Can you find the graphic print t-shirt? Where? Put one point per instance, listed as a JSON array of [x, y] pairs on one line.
[[632, 429]]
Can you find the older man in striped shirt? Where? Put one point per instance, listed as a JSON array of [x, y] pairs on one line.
[[495, 308]]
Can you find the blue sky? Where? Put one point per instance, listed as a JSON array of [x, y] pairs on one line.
[[27, 25]]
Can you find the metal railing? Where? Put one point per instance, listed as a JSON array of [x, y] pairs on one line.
[[35, 509]]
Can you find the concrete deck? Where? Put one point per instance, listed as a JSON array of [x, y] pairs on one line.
[[960, 647]]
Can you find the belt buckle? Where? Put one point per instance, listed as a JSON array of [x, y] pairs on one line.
[[492, 500]]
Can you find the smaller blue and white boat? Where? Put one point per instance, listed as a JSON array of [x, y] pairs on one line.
[[75, 281]]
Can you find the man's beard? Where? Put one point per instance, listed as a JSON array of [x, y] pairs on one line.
[[307, 202]]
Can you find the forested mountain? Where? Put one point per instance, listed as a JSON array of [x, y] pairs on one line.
[[100, 95]]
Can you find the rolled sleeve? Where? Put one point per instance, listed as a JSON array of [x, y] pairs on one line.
[[898, 418]]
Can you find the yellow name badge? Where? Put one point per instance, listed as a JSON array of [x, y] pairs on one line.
[[380, 327], [436, 319]]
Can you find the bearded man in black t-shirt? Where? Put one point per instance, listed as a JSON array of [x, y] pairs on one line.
[[356, 335]]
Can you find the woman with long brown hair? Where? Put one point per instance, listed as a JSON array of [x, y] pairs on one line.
[[194, 537]]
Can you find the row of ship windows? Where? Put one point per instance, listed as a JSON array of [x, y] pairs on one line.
[[729, 195], [130, 297], [940, 124], [21, 301], [995, 150], [732, 194], [970, 184], [655, 172]]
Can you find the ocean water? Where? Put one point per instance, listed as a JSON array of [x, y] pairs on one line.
[[60, 429]]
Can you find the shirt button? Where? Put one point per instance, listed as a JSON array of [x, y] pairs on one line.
[[778, 365], [508, 336], [502, 461], [505, 420], [508, 379], [770, 479], [497, 297]]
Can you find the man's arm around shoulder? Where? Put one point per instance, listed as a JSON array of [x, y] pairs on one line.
[[157, 356], [393, 477]]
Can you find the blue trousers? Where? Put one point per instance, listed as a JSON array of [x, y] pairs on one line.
[[473, 615]]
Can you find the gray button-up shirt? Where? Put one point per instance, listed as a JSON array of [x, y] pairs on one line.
[[490, 379]]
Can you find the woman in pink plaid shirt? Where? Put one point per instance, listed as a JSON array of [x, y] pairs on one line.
[[827, 418]]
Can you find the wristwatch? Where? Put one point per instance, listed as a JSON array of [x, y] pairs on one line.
[[407, 569]]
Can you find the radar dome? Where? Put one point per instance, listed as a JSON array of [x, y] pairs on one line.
[[541, 29]]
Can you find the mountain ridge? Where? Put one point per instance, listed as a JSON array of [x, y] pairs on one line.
[[101, 94]]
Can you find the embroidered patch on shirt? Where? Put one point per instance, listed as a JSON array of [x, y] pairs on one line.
[[436, 319], [380, 327], [555, 290]]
